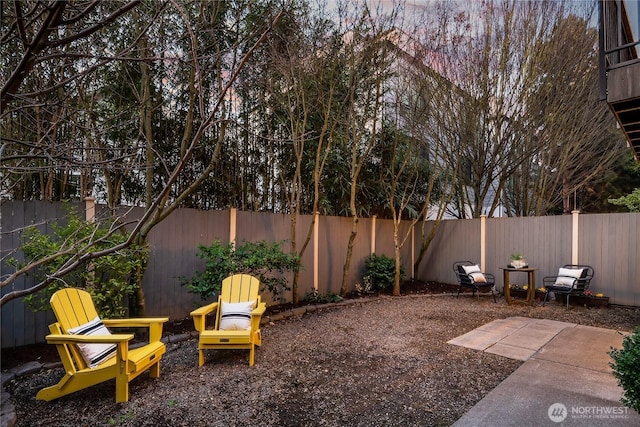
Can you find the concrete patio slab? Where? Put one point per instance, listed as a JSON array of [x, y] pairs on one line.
[[515, 322], [531, 337], [586, 344], [567, 381], [512, 352], [555, 325], [514, 337], [481, 339]]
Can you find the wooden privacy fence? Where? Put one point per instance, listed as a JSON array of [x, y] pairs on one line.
[[608, 242]]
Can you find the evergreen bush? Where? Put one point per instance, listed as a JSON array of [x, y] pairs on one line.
[[110, 279], [380, 271], [626, 368], [264, 260]]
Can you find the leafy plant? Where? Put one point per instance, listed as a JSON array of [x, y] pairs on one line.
[[516, 256], [631, 201], [380, 271], [626, 368], [109, 279], [317, 297], [267, 261], [364, 287]]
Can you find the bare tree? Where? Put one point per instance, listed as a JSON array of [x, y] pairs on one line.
[[312, 103], [79, 22], [573, 130], [427, 104], [525, 72], [368, 72]]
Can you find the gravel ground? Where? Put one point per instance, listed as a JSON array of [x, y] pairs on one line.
[[385, 362]]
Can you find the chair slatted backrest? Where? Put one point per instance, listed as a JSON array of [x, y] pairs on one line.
[[238, 288], [72, 307]]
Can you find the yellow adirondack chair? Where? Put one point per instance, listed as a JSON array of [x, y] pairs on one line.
[[237, 322], [78, 336]]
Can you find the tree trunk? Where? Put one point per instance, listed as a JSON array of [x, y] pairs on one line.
[[347, 261]]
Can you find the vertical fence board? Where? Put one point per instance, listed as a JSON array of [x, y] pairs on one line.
[[11, 221], [333, 235], [361, 249], [305, 284]]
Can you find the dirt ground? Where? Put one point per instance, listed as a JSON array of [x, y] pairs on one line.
[[381, 361]]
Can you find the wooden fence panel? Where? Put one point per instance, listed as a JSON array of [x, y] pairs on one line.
[[361, 249], [385, 244], [333, 237], [455, 240], [545, 244], [174, 247], [20, 325], [271, 227], [406, 252], [305, 283], [608, 242]]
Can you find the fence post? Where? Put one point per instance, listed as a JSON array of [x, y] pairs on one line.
[[574, 237], [483, 242], [89, 209], [90, 216], [316, 221], [233, 212], [373, 234]]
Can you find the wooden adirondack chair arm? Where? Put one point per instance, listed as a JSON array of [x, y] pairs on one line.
[[153, 323], [205, 309], [199, 315], [259, 310], [107, 339], [133, 323]]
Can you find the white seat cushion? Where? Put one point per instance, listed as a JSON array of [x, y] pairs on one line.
[[567, 276], [475, 273]]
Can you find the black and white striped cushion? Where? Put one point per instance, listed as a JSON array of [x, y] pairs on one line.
[[94, 354]]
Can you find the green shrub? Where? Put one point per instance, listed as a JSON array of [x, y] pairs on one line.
[[264, 260], [380, 271], [626, 368], [630, 201], [109, 279], [316, 297]]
